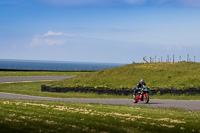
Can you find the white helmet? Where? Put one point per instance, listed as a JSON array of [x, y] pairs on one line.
[[142, 81]]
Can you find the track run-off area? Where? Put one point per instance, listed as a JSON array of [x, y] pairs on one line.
[[178, 104], [32, 78]]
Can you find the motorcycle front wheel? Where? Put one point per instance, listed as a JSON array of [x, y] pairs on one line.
[[146, 99]]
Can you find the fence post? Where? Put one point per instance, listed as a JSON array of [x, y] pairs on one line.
[[143, 60], [167, 60], [173, 58], [150, 59]]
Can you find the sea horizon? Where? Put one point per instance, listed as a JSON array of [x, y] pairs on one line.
[[59, 61], [24, 64]]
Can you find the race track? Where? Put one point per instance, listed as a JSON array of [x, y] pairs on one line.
[[178, 104], [32, 78]]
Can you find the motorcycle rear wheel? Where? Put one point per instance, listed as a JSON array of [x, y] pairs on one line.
[[134, 101]]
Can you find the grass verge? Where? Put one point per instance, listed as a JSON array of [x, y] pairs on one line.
[[39, 116], [161, 75], [34, 89]]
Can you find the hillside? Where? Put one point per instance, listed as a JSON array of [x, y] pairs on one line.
[[162, 75]]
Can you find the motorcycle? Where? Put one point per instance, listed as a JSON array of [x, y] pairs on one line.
[[141, 94]]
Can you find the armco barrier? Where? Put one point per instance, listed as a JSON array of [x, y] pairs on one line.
[[123, 91]]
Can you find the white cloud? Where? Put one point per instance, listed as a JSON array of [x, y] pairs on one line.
[[42, 41], [51, 33], [53, 42], [35, 41], [49, 39], [193, 3], [91, 2], [71, 2], [75, 3], [184, 3], [134, 1], [14, 46]]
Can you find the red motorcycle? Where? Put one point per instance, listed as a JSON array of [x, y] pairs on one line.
[[141, 94]]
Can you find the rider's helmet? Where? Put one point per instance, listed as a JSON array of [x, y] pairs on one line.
[[142, 81]]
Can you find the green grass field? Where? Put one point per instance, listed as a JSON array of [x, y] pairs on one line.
[[178, 75], [161, 75], [37, 73], [34, 89], [45, 116], [39, 116]]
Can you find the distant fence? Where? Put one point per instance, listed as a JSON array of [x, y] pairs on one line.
[[168, 59], [123, 91]]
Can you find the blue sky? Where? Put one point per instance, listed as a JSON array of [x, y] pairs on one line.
[[114, 31]]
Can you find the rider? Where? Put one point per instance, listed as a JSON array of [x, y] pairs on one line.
[[140, 85]]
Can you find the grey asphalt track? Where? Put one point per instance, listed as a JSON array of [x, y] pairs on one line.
[[178, 104], [32, 78]]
